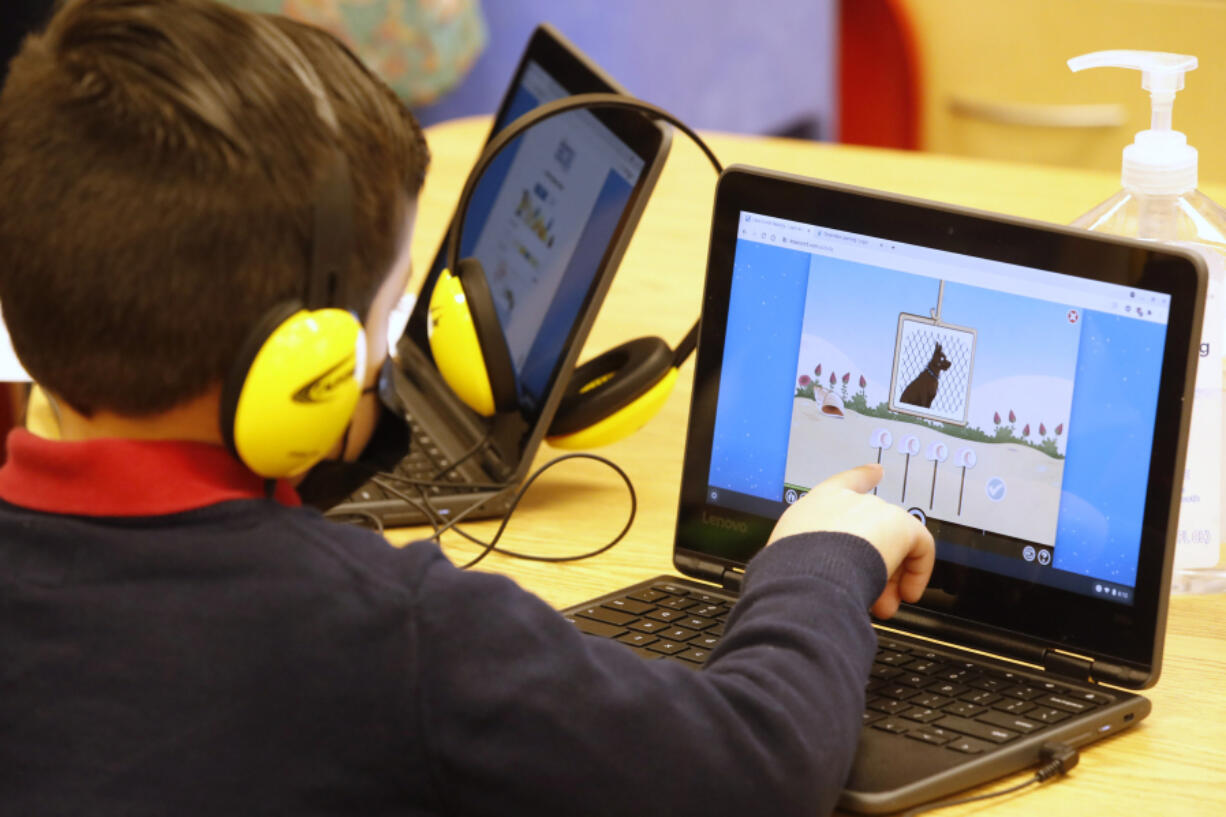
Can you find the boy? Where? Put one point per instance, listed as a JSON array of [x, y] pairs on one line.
[[175, 638]]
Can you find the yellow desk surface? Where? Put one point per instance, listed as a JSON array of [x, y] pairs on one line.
[[1173, 763]]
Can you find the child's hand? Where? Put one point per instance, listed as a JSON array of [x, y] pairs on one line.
[[842, 504]]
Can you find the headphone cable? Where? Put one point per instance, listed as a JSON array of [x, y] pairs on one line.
[[441, 526]]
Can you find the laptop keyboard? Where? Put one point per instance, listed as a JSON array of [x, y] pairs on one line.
[[945, 700], [913, 691], [659, 621], [423, 463]]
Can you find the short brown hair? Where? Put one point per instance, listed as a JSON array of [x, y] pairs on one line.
[[138, 243]]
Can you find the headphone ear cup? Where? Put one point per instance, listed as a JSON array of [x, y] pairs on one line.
[[293, 390], [614, 394], [467, 342]]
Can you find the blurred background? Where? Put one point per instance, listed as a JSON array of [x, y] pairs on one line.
[[968, 77]]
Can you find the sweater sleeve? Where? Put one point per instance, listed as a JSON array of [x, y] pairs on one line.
[[522, 714]]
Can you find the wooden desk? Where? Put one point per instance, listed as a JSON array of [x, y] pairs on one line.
[[1173, 763]]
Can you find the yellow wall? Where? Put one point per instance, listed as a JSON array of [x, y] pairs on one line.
[[1008, 56]]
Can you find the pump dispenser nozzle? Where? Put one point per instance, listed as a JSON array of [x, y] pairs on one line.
[[1160, 161]]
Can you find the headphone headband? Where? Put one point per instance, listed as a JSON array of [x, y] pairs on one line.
[[332, 236], [504, 137]]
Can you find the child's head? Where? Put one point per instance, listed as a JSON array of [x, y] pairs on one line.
[[158, 171]]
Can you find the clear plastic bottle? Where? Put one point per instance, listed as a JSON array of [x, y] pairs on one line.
[[1159, 201]]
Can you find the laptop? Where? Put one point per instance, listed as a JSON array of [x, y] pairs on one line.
[[1027, 388], [549, 222]]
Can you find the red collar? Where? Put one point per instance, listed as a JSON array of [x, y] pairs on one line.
[[119, 477]]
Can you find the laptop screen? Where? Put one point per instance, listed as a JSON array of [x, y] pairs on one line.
[[1026, 387], [1000, 398], [547, 210], [540, 221]]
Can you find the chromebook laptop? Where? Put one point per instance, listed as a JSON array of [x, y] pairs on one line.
[[1028, 389], [549, 222]]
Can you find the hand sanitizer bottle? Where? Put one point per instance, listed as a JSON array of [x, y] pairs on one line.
[[1159, 201]]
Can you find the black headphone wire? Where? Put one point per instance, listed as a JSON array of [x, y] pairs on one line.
[[440, 526]]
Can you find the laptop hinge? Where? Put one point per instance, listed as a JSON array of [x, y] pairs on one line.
[[728, 578], [1067, 664]]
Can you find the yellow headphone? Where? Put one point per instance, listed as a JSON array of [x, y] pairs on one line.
[[609, 396], [296, 383]]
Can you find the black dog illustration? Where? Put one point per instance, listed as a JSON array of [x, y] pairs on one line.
[[923, 389]]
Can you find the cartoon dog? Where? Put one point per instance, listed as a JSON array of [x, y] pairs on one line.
[[923, 389]]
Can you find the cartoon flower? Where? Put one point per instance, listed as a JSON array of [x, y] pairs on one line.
[[833, 379], [1042, 430], [818, 370], [804, 380], [863, 382], [1012, 416], [1026, 430], [996, 417], [1059, 429]]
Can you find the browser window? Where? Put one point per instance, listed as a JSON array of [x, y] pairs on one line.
[[1001, 399]]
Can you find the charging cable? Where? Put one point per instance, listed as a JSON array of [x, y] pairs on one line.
[[1055, 757]]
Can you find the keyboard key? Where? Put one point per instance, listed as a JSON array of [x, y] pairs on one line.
[[892, 658], [960, 674], [708, 610], [889, 706], [1013, 706], [968, 746], [894, 725], [883, 672], [705, 641], [980, 696], [983, 731], [930, 700], [671, 589], [707, 598], [939, 732], [924, 666], [1014, 722], [665, 615], [964, 709], [606, 615], [718, 629], [676, 603], [647, 595], [921, 714], [697, 656], [646, 625], [678, 634], [628, 606], [869, 716], [928, 737], [1047, 715], [1066, 703], [1024, 692], [597, 628], [897, 691], [990, 684], [637, 639], [946, 688], [892, 645], [667, 647], [696, 622], [912, 679], [1090, 697]]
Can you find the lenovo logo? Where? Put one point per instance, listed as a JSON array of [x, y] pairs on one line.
[[725, 523]]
